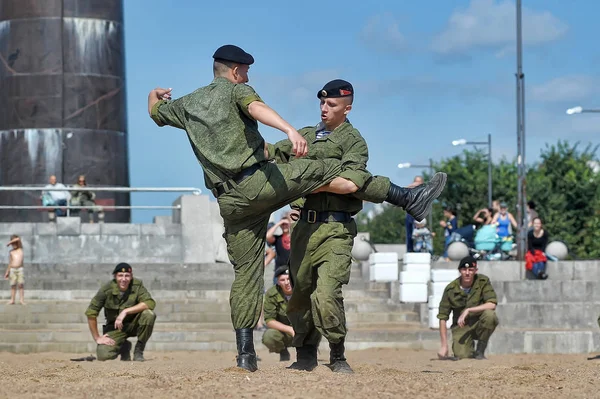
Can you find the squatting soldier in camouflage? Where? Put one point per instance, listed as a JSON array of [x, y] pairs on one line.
[[279, 335], [129, 311], [221, 121], [472, 301]]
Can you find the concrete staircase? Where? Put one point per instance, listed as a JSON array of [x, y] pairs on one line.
[[553, 316], [192, 309]]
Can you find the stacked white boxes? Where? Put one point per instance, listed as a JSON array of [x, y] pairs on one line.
[[440, 278], [383, 267], [414, 277]]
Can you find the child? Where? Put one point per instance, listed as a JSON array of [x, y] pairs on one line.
[[422, 237], [14, 271]]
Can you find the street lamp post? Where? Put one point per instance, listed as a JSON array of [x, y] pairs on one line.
[[581, 110], [489, 144], [407, 165]]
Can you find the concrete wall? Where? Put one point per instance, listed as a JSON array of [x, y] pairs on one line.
[[191, 235]]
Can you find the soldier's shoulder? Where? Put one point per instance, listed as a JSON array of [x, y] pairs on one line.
[[136, 282], [272, 292], [453, 284], [483, 278], [108, 286]]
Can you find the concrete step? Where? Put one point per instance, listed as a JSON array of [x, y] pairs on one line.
[[572, 315], [502, 342], [547, 291]]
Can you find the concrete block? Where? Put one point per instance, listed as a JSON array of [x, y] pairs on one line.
[[564, 316], [417, 267], [162, 220], [20, 229], [68, 226], [413, 293], [588, 270], [90, 229], [196, 228], [417, 257], [567, 342], [383, 257], [530, 291], [152, 230], [501, 270], [564, 270], [120, 229], [419, 277], [383, 272], [45, 229]]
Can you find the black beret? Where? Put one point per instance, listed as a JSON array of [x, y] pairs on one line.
[[335, 89], [232, 53], [122, 268], [281, 270], [467, 261]]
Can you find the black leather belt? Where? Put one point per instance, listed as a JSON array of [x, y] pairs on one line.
[[238, 178], [311, 216]]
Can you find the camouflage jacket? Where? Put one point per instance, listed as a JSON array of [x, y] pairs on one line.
[[275, 307], [455, 300]]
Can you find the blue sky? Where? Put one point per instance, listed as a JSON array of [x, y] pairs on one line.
[[425, 73]]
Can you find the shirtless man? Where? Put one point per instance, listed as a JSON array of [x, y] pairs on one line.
[[14, 271]]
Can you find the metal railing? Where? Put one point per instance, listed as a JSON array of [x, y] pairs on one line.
[[193, 190]]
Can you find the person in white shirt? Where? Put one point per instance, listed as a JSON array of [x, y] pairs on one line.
[[51, 196]]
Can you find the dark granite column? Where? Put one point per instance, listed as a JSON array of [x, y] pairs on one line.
[[62, 108]]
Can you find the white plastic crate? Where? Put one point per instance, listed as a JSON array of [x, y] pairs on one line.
[[444, 275], [434, 322], [383, 272], [417, 267], [417, 257], [437, 289], [418, 277], [413, 293], [383, 257]]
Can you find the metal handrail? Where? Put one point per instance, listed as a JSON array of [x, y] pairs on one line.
[[193, 190]]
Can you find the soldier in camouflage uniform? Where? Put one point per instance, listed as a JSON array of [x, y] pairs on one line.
[[129, 311], [279, 335], [221, 121], [322, 239], [472, 301]]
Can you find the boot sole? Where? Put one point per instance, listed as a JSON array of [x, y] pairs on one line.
[[432, 197]]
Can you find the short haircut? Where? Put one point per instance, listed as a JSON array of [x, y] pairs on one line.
[[221, 67]]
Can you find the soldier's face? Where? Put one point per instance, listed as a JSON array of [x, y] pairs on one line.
[[334, 111], [123, 280], [240, 73], [467, 274], [284, 282]]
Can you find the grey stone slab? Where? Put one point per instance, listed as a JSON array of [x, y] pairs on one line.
[[548, 315], [45, 229], [120, 229], [563, 270], [162, 220], [589, 270], [532, 291], [565, 342], [21, 229], [196, 228], [90, 229], [68, 226]]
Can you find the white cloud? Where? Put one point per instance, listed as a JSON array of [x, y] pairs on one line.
[[382, 33], [565, 88], [491, 24]]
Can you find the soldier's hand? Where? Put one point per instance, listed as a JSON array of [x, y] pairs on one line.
[[443, 352], [105, 340], [163, 94], [299, 144], [463, 317], [119, 320]]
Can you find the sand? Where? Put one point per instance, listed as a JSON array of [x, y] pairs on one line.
[[379, 373]]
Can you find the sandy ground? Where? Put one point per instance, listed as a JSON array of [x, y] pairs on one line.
[[379, 373]]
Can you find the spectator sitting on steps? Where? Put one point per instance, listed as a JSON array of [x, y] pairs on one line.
[[85, 198], [53, 197]]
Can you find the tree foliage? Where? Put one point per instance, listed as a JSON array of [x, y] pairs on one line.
[[561, 182]]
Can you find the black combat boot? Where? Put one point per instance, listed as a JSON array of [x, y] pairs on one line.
[[479, 352], [138, 352], [246, 358], [284, 355], [337, 360], [306, 358], [125, 351], [417, 201]]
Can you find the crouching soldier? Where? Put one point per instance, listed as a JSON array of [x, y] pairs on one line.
[[472, 301], [128, 308], [278, 336]]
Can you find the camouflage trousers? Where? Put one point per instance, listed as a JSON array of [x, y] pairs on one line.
[[246, 208], [320, 262], [479, 328], [141, 327], [276, 341]]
